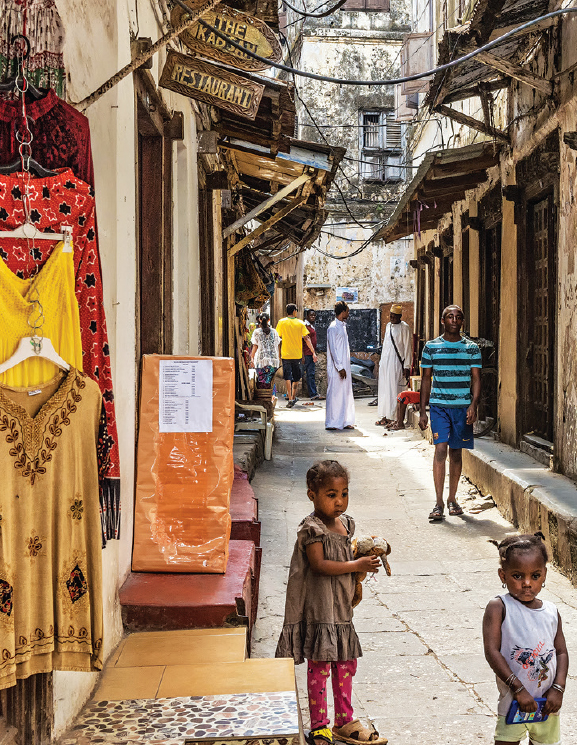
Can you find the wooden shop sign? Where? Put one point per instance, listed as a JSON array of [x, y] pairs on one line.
[[249, 32], [213, 85]]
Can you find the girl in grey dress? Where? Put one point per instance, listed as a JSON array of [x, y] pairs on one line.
[[318, 610]]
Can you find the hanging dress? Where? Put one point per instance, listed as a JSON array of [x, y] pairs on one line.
[[50, 552], [57, 200], [54, 284]]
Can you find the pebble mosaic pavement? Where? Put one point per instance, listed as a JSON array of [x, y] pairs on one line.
[[179, 720]]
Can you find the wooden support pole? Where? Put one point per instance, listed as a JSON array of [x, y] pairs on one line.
[[462, 118], [266, 225], [269, 202], [515, 71]]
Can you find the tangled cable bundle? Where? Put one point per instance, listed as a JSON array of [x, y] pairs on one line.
[[366, 546]]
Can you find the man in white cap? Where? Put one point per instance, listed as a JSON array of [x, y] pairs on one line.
[[394, 365]]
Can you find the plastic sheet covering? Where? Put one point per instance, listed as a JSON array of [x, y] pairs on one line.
[[182, 521]]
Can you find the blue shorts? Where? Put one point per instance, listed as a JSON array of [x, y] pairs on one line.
[[448, 425]]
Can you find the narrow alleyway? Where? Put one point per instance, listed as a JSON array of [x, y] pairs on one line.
[[423, 678]]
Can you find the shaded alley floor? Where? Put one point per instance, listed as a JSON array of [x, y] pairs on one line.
[[423, 678]]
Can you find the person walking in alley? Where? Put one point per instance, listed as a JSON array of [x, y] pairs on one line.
[[524, 642], [265, 351], [451, 384], [393, 366], [340, 409], [308, 362], [318, 624], [292, 332]]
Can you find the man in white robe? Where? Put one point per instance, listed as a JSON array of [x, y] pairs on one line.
[[340, 407], [394, 365]]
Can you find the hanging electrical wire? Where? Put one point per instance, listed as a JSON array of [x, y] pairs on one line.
[[316, 15], [391, 81]]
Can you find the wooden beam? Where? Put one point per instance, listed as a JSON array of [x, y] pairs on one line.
[[536, 28], [487, 106], [269, 202], [515, 71], [266, 225], [462, 118], [462, 93]]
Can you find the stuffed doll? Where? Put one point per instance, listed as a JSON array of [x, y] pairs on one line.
[[364, 546]]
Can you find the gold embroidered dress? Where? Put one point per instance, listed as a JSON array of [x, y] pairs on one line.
[[50, 549]]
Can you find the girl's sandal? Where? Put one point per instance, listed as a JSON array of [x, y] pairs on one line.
[[323, 734], [355, 732]]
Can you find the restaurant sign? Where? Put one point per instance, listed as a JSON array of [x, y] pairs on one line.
[[251, 33], [211, 84]]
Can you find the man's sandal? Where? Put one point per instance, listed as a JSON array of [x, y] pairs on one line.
[[437, 513], [356, 732], [323, 734], [383, 422], [454, 508]]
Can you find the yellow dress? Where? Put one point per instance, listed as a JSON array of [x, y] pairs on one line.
[[55, 286]]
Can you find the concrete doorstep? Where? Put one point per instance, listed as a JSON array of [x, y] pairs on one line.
[[526, 492]]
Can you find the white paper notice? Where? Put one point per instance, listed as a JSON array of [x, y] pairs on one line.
[[186, 396]]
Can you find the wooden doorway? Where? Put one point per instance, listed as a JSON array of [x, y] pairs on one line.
[[154, 213]]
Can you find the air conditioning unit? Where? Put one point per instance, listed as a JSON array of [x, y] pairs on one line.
[[405, 106], [417, 56]]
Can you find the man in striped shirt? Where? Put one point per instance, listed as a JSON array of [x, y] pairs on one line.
[[451, 385]]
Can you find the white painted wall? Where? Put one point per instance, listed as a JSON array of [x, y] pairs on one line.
[[97, 45]]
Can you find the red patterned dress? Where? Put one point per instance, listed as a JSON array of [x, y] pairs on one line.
[[66, 200]]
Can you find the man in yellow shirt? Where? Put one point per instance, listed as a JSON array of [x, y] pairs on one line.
[[292, 332]]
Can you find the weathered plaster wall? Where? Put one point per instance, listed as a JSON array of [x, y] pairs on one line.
[[381, 272], [97, 45]]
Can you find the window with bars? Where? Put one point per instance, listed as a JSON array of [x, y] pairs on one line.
[[367, 5], [381, 147]]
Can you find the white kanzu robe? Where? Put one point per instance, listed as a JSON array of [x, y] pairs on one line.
[[391, 379], [340, 407]]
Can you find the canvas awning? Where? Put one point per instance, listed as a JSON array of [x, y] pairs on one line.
[[442, 178]]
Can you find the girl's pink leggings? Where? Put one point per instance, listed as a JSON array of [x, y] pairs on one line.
[[342, 673]]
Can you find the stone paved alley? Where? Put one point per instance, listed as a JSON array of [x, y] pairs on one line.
[[423, 678]]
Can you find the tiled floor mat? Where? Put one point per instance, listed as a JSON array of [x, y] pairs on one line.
[[250, 717]]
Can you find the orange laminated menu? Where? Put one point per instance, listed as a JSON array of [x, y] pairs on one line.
[[184, 464]]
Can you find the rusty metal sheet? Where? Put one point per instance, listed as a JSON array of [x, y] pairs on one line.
[[241, 27], [213, 85]]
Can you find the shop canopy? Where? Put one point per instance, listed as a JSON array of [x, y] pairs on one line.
[[442, 178], [488, 71]]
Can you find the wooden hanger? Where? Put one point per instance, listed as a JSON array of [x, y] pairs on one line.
[[30, 347]]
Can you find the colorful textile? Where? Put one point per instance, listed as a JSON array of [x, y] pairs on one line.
[[318, 608], [61, 135], [265, 376], [409, 397], [40, 22], [539, 733], [56, 200], [292, 331], [342, 673], [452, 364], [50, 555], [61, 324]]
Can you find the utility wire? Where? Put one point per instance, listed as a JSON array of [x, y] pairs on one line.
[[391, 81], [316, 15]]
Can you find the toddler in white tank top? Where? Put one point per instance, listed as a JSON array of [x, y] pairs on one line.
[[524, 642]]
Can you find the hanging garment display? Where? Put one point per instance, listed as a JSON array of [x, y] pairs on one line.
[[41, 22], [51, 615], [53, 201], [61, 135], [60, 320], [250, 289]]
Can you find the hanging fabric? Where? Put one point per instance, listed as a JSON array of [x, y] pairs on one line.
[[51, 615], [61, 135], [60, 323], [41, 22], [53, 200]]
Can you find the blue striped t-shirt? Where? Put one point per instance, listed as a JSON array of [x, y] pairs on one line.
[[452, 363]]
